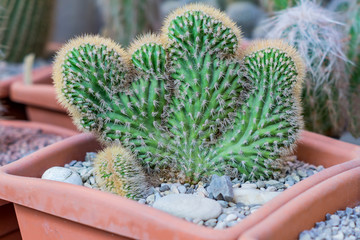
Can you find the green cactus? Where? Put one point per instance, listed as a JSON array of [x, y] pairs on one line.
[[118, 171], [354, 71], [188, 102], [26, 27], [125, 19], [319, 39]]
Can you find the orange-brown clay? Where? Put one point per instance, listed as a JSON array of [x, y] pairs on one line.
[[40, 100], [9, 229], [63, 204]]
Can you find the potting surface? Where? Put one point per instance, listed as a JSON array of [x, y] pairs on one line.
[[343, 224], [227, 201], [16, 142]]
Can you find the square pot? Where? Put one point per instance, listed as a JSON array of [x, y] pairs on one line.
[[310, 207], [54, 210], [9, 228], [40, 100]]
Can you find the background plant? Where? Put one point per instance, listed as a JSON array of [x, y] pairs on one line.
[[125, 19], [319, 38], [26, 27], [187, 102]]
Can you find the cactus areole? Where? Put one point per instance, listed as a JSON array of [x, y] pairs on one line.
[[188, 102]]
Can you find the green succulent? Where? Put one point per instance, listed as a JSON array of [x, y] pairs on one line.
[[187, 102]]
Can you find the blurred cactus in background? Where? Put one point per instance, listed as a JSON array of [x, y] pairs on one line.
[[351, 13], [319, 38], [125, 19], [26, 26], [271, 6]]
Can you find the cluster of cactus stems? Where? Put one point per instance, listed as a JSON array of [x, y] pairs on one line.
[[319, 38], [188, 102], [125, 19], [25, 26]]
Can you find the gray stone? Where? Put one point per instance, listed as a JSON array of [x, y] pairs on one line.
[[90, 156], [223, 204], [185, 205], [339, 236], [150, 199], [221, 188], [222, 217], [62, 174], [249, 185], [230, 217], [182, 189], [232, 223], [260, 184], [253, 196], [220, 225], [210, 223]]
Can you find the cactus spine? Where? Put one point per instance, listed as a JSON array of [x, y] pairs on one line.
[[118, 171], [189, 101], [318, 37], [125, 19], [26, 27]]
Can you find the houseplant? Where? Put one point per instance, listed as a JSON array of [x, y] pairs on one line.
[[302, 212], [9, 226], [39, 99]]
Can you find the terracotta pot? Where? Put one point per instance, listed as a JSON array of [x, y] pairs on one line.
[[302, 212], [8, 223], [55, 210], [40, 101]]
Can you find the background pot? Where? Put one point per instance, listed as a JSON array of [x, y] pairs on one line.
[[56, 210], [40, 100], [302, 212], [8, 223]]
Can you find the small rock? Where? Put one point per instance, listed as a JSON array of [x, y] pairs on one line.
[[220, 225], [230, 217], [182, 189], [62, 174], [185, 205], [142, 201], [151, 199], [211, 222], [221, 188], [339, 236], [260, 184], [249, 185], [90, 156], [232, 223], [253, 196], [223, 204], [174, 189]]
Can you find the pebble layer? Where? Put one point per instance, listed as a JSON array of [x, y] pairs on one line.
[[16, 143], [338, 226], [232, 212]]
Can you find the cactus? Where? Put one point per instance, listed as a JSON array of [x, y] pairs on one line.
[[188, 102], [26, 27], [353, 53], [118, 171], [319, 39], [125, 19], [272, 6]]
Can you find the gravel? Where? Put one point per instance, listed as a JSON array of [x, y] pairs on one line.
[[16, 143], [232, 212], [344, 224]]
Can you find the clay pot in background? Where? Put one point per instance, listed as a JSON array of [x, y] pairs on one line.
[[9, 228], [40, 100]]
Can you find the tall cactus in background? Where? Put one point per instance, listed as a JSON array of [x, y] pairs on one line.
[[319, 38], [26, 26], [188, 102], [125, 19], [352, 14]]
